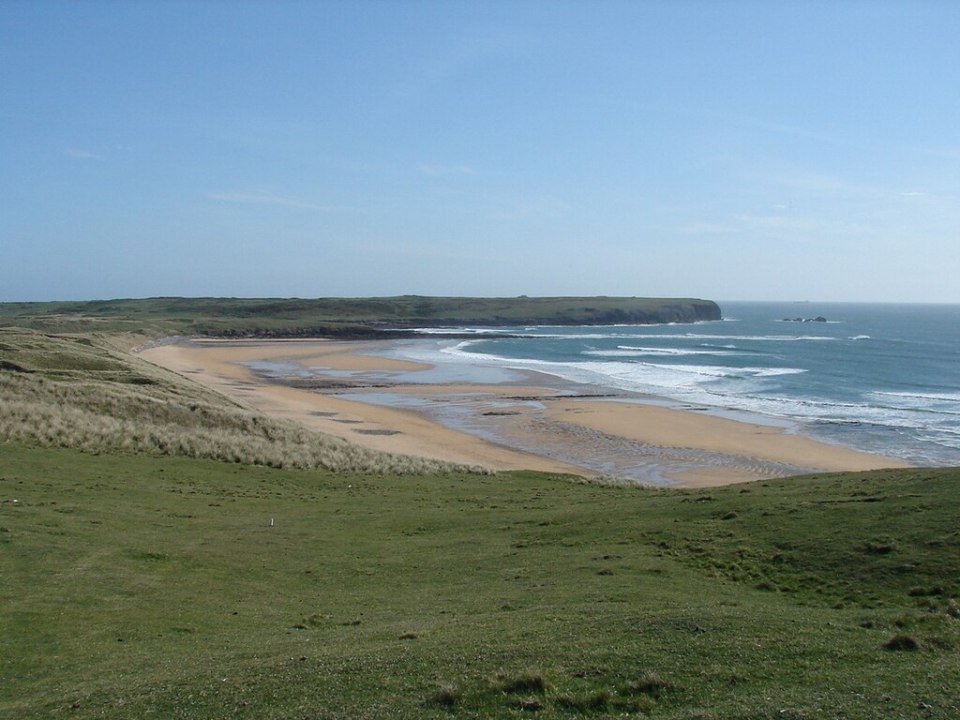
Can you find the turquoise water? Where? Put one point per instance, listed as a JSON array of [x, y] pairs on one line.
[[882, 378]]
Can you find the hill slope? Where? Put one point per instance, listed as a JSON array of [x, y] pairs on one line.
[[140, 586], [83, 391]]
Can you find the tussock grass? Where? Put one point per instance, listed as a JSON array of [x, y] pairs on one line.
[[651, 684], [79, 392], [523, 683], [902, 642], [446, 696], [593, 702]]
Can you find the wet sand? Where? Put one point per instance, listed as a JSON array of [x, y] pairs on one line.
[[532, 421]]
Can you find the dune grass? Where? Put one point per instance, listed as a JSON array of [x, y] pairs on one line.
[[83, 391], [141, 586]]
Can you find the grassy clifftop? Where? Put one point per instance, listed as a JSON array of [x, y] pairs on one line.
[[343, 316]]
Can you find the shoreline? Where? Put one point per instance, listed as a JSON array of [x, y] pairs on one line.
[[510, 420]]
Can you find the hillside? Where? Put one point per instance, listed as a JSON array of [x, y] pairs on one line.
[[89, 392], [138, 586]]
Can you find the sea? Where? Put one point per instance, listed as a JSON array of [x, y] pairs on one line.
[[883, 378]]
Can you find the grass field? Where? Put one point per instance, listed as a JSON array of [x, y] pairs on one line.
[[136, 586]]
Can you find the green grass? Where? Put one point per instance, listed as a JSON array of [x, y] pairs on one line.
[[353, 317], [138, 586]]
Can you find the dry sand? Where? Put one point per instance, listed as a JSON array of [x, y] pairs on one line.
[[539, 425]]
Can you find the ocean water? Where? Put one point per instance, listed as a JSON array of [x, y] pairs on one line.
[[881, 378]]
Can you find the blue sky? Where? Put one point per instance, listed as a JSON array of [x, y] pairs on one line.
[[728, 150]]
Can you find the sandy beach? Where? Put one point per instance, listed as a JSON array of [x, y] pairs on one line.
[[537, 422]]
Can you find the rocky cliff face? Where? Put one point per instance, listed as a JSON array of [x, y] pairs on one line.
[[695, 311], [686, 312]]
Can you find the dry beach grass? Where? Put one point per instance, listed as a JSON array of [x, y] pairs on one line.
[[71, 391]]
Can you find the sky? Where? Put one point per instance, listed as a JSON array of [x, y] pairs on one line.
[[730, 150]]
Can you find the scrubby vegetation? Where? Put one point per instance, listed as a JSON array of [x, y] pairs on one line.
[[79, 392]]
